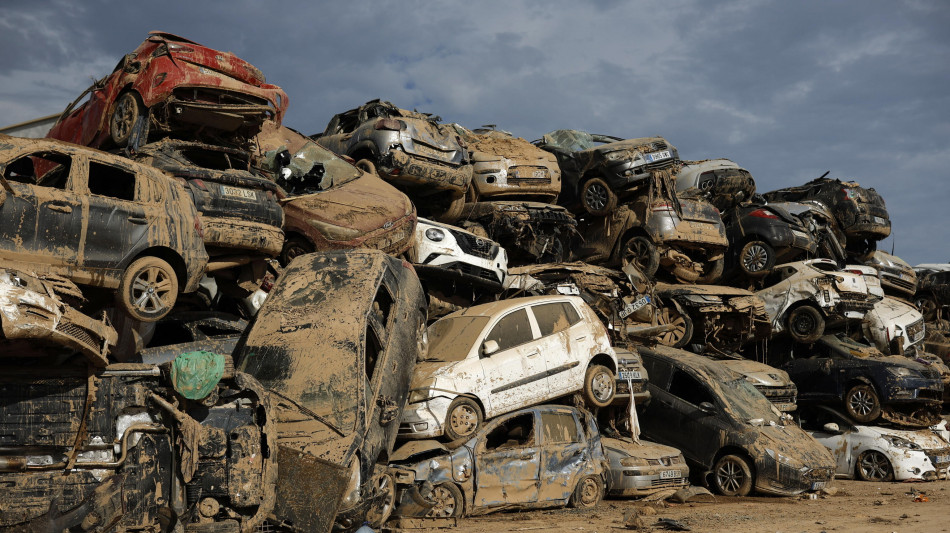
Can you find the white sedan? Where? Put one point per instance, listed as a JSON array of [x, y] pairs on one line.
[[876, 453]]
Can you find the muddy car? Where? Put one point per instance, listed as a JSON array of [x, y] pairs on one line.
[[509, 167], [893, 326], [730, 434], [411, 150], [331, 204], [530, 232], [774, 383], [443, 251], [172, 86], [334, 345], [763, 235], [712, 318], [494, 358], [897, 277], [866, 383], [724, 183], [240, 213], [600, 170], [546, 456], [641, 468], [189, 331], [860, 212], [683, 235], [802, 297], [99, 220], [933, 290]]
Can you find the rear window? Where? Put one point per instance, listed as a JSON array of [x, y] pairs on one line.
[[114, 182]]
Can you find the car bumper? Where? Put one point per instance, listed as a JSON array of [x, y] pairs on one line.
[[787, 480], [535, 181], [264, 239], [641, 481], [424, 420], [416, 172]]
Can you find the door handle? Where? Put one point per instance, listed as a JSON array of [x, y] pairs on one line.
[[62, 208], [138, 220], [582, 337], [527, 456], [533, 354]]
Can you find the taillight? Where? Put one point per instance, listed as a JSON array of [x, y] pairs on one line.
[[858, 272], [201, 184], [199, 229], [388, 124], [762, 213]]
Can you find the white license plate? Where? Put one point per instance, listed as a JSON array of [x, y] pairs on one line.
[[630, 375], [942, 459], [632, 307], [658, 156], [879, 220], [818, 485], [671, 474], [238, 193]]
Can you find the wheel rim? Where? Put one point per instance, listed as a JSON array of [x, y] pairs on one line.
[[150, 290], [602, 386], [730, 477], [874, 466], [293, 252], [637, 253], [463, 420], [123, 117], [588, 492], [755, 258], [445, 504], [679, 327], [378, 515], [596, 196], [803, 324], [861, 402]]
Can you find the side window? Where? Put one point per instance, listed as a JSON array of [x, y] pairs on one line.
[[687, 388], [114, 182], [554, 317], [512, 330], [658, 370], [516, 432], [348, 122], [377, 329], [45, 169], [559, 428]]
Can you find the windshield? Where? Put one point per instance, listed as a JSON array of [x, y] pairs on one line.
[[450, 339], [313, 168], [743, 399]]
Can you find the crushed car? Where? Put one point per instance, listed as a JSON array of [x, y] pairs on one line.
[[774, 383], [493, 358], [763, 235], [170, 85], [733, 438], [412, 150], [444, 250], [640, 467], [545, 456], [933, 289], [724, 183], [893, 326], [190, 331], [99, 220], [531, 232], [600, 170], [878, 453], [334, 346]]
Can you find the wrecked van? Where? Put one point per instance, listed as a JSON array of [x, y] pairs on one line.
[[545, 456], [728, 432], [530, 232], [334, 345], [100, 220]]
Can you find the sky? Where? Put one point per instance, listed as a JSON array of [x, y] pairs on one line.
[[788, 90]]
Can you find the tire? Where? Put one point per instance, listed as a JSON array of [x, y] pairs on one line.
[[927, 306], [683, 332], [805, 324], [713, 272], [587, 493], [448, 501], [756, 258], [642, 253], [872, 465], [599, 386], [554, 252], [293, 247], [597, 198], [684, 274], [148, 289], [471, 194], [453, 210], [366, 166], [862, 403], [732, 476], [126, 110], [380, 513], [463, 418]]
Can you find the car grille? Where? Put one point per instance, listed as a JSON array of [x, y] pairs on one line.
[[665, 483], [524, 176], [916, 331], [779, 394], [473, 270], [83, 336], [476, 246], [896, 281]]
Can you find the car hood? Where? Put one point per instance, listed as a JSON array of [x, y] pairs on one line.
[[366, 203], [926, 438], [758, 373], [643, 450], [793, 442], [435, 374]]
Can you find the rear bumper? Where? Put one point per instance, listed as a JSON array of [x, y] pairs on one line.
[[416, 172], [232, 234]]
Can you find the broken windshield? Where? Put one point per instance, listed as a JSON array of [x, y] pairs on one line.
[[743, 399], [451, 338]]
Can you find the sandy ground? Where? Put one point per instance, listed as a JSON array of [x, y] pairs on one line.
[[856, 507]]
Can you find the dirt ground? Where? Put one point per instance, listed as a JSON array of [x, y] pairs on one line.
[[856, 507]]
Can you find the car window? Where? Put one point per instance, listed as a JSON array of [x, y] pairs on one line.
[[348, 122], [516, 432], [377, 328], [114, 182], [559, 428], [555, 316], [658, 370], [451, 338], [45, 169], [689, 389], [512, 330]]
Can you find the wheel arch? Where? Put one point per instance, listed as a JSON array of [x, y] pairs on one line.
[[170, 256], [603, 360]]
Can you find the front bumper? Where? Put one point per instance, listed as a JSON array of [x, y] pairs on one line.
[[424, 420], [644, 480], [783, 479], [416, 172]]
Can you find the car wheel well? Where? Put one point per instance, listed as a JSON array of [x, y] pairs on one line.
[[604, 360], [168, 255], [734, 450], [635, 231], [365, 151]]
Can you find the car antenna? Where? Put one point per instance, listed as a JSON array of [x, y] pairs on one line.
[[825, 174]]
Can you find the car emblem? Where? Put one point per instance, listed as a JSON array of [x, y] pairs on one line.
[[479, 241], [387, 225]]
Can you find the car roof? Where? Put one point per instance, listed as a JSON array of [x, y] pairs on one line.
[[496, 308], [686, 360]]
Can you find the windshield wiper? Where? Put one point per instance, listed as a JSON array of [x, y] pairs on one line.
[[310, 413]]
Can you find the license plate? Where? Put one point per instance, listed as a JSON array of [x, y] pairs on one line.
[[630, 375], [658, 156], [671, 474], [879, 220], [632, 307], [818, 485], [533, 173], [942, 459], [238, 193]]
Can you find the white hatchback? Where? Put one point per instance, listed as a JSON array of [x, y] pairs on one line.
[[495, 358]]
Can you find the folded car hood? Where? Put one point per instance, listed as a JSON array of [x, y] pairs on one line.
[[366, 203], [643, 450], [435, 374]]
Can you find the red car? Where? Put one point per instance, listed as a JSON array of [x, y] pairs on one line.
[[170, 84]]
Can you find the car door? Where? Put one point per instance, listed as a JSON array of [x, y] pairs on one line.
[[814, 376], [515, 372], [696, 433], [564, 455], [565, 344], [841, 444], [508, 461], [118, 219]]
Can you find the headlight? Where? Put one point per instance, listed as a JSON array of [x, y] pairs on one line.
[[353, 487], [903, 372], [418, 395], [435, 234], [900, 442]]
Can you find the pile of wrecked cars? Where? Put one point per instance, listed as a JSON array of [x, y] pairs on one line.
[[213, 322]]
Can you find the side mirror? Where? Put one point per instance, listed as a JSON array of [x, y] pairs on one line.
[[489, 347], [707, 408], [832, 428]]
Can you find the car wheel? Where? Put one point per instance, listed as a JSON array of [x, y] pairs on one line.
[[128, 108], [554, 251], [862, 404], [597, 198], [293, 247], [463, 418], [447, 500], [366, 166], [383, 509], [682, 330], [872, 465], [453, 210], [732, 476], [756, 258], [471, 194], [148, 289], [805, 324], [599, 386], [643, 254], [713, 271], [587, 493], [927, 306]]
